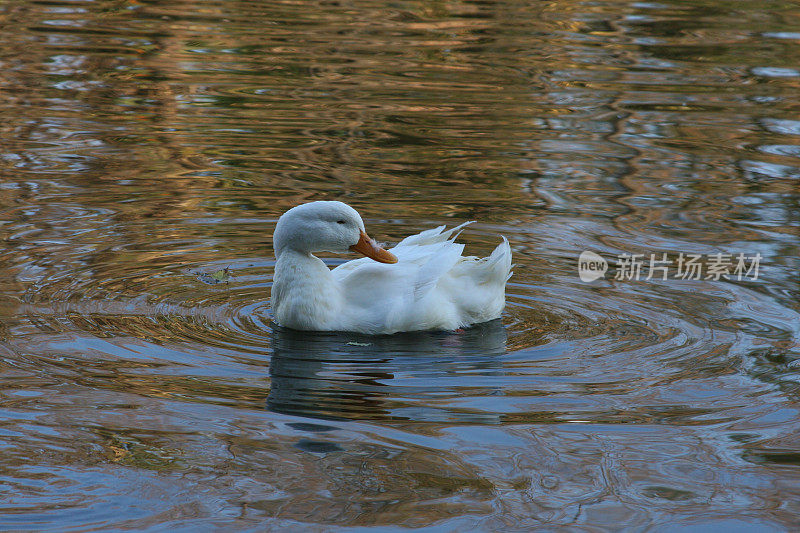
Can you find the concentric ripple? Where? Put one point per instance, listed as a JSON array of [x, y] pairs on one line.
[[558, 336]]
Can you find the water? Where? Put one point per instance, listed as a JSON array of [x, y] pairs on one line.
[[147, 149]]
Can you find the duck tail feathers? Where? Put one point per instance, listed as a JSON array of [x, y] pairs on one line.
[[498, 264]]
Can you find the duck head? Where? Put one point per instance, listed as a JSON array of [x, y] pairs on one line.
[[326, 227]]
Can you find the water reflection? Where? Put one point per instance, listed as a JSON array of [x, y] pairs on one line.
[[394, 377]]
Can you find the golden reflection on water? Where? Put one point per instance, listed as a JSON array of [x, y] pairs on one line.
[[145, 146]]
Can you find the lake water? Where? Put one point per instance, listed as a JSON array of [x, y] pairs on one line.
[[147, 149]]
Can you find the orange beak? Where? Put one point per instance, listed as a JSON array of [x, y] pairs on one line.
[[370, 248]]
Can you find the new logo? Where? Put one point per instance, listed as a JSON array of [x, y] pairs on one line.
[[591, 266]]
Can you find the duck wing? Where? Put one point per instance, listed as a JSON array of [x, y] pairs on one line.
[[390, 297]]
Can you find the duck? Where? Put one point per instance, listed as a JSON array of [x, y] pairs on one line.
[[422, 283]]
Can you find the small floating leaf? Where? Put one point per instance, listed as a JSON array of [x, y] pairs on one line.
[[213, 278]]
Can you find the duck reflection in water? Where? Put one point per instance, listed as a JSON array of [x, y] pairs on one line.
[[338, 376]]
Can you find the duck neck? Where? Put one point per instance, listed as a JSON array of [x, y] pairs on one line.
[[304, 293]]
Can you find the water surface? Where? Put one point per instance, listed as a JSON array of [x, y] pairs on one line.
[[147, 149]]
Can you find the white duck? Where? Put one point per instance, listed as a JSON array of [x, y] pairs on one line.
[[422, 284]]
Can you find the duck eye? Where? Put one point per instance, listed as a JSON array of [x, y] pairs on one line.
[[340, 222]]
